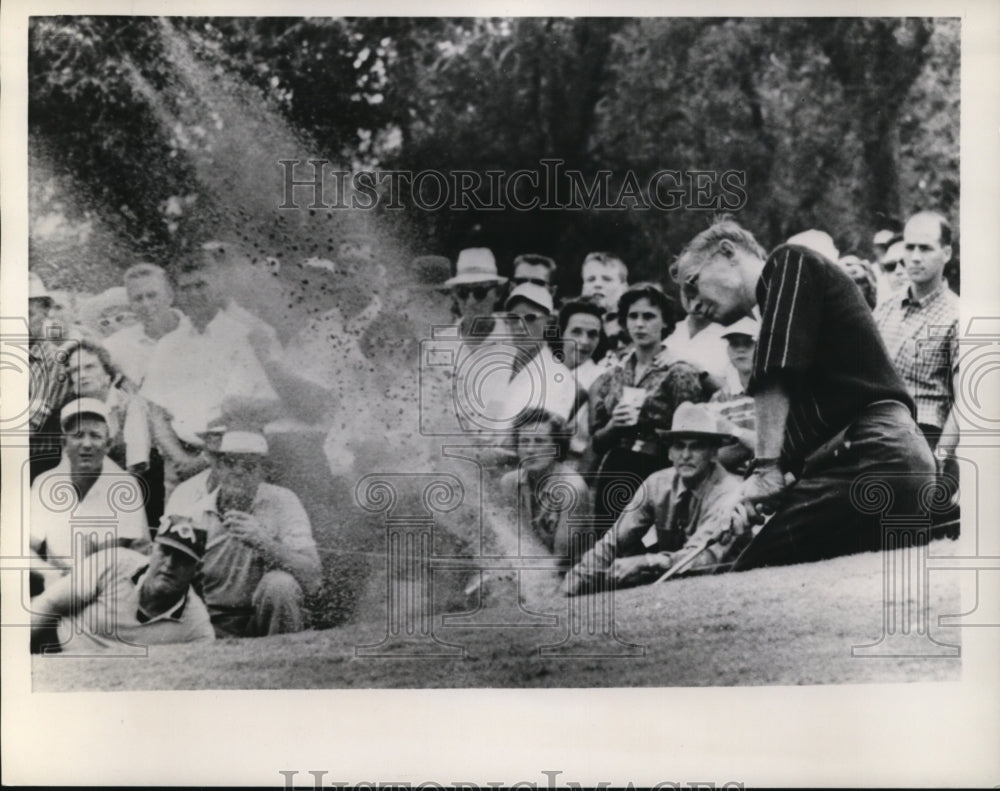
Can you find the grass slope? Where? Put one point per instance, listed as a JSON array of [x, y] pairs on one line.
[[787, 625]]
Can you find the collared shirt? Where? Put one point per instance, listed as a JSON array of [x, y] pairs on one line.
[[653, 506], [542, 382], [706, 350], [819, 338], [108, 588], [464, 381], [191, 373], [732, 385], [921, 336], [732, 402], [232, 569], [667, 386], [48, 386], [559, 500], [651, 524], [114, 504], [131, 348]]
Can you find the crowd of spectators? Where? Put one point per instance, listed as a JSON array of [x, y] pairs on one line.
[[620, 427]]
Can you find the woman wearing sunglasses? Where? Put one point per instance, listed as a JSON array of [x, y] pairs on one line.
[[630, 405]]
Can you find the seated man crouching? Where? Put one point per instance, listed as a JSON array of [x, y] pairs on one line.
[[122, 596], [671, 506], [260, 556], [85, 489]]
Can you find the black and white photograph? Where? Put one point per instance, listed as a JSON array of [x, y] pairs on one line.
[[611, 372]]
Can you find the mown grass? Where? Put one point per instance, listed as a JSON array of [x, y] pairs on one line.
[[787, 625]]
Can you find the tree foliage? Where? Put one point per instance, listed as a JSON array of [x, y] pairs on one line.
[[840, 124]]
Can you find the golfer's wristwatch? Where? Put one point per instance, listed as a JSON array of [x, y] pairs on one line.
[[767, 463]]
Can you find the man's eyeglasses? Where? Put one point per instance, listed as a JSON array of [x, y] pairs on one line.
[[689, 286], [478, 292], [246, 464], [517, 281], [119, 318]]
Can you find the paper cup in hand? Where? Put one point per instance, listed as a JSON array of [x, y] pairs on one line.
[[633, 396]]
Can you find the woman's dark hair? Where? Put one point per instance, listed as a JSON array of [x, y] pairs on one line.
[[102, 354], [656, 298], [570, 309], [578, 305], [531, 418]]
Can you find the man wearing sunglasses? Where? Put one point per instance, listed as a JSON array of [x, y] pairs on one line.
[[260, 558], [831, 411], [474, 291], [539, 379], [891, 274]]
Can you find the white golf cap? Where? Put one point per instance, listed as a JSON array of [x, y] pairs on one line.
[[745, 326], [83, 406], [883, 237], [475, 265], [249, 442], [818, 241], [531, 292]]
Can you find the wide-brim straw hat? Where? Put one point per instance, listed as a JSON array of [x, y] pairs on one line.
[[695, 421], [475, 265]]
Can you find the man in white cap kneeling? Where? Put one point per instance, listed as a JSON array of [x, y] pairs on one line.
[[260, 558], [664, 517]]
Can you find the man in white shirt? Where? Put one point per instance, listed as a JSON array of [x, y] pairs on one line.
[[203, 369], [150, 295], [466, 367], [700, 342], [85, 490], [540, 381]]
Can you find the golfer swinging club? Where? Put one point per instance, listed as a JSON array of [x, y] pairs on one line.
[[830, 405]]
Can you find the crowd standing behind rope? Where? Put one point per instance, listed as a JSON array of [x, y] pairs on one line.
[[722, 432]]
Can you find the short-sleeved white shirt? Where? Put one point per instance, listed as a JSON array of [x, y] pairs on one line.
[[707, 350], [131, 348], [113, 503], [191, 373]]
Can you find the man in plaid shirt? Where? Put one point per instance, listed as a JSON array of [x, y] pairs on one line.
[[48, 386], [920, 325]]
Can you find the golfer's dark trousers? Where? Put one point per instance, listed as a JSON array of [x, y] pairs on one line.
[[880, 466]]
